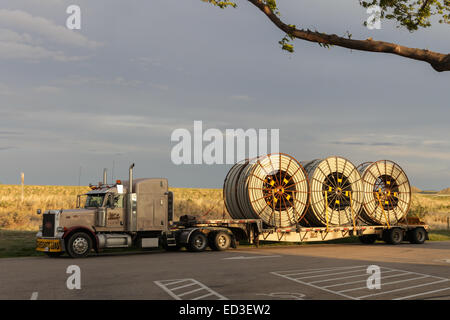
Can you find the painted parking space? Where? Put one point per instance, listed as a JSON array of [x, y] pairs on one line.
[[188, 289], [352, 283]]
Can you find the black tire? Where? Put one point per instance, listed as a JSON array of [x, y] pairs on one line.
[[53, 254], [197, 242], [394, 236], [368, 238], [211, 240], [79, 245], [221, 241], [417, 235]]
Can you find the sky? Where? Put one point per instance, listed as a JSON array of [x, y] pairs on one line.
[[73, 102]]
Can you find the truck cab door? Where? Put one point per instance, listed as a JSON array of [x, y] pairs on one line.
[[115, 211]]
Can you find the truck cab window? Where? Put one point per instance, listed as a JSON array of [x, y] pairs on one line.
[[94, 200], [114, 201], [118, 201]]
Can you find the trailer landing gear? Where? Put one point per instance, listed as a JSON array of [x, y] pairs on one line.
[[368, 239]]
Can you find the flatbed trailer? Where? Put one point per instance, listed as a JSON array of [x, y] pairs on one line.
[[253, 231]]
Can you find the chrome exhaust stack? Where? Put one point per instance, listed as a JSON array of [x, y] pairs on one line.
[[105, 177], [131, 204], [130, 188]]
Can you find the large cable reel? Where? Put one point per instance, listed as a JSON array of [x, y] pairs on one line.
[[273, 188], [336, 192], [387, 192]]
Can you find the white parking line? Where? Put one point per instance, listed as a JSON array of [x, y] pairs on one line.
[[180, 287], [312, 285], [422, 294], [250, 257], [331, 274], [358, 275], [384, 284], [419, 285], [200, 287], [345, 287], [365, 280], [317, 270], [189, 292]]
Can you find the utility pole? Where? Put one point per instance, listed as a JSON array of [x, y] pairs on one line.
[[79, 177], [22, 179], [112, 172]]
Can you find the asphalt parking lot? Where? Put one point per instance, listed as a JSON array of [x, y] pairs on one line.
[[308, 272]]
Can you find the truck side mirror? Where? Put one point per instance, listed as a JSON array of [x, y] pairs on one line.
[[38, 211], [111, 201]]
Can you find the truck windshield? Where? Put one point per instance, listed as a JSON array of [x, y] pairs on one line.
[[94, 200]]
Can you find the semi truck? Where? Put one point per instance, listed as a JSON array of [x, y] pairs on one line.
[[139, 213]]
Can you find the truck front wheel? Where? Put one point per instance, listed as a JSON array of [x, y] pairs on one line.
[[197, 242], [79, 245]]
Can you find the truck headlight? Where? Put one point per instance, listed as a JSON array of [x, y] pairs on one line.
[[60, 229]]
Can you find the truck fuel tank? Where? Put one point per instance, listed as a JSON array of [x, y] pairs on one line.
[[114, 240]]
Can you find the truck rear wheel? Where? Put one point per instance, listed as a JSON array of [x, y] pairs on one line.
[[417, 235], [197, 242], [368, 238], [394, 236], [79, 245], [219, 241]]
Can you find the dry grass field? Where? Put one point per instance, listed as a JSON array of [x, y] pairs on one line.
[[433, 209], [16, 215]]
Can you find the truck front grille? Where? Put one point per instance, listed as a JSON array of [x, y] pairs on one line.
[[48, 225]]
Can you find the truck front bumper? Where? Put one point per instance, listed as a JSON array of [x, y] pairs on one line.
[[49, 244]]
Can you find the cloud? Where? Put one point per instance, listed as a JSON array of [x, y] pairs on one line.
[[16, 50], [162, 87], [6, 148], [48, 89], [362, 143], [241, 97], [32, 38], [9, 133], [5, 90], [7, 35], [77, 80], [47, 29], [146, 61]]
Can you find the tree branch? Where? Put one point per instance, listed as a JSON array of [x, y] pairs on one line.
[[439, 61]]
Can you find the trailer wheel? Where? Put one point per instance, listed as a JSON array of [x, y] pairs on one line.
[[220, 241], [79, 245], [368, 238], [417, 235], [394, 236], [197, 242]]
